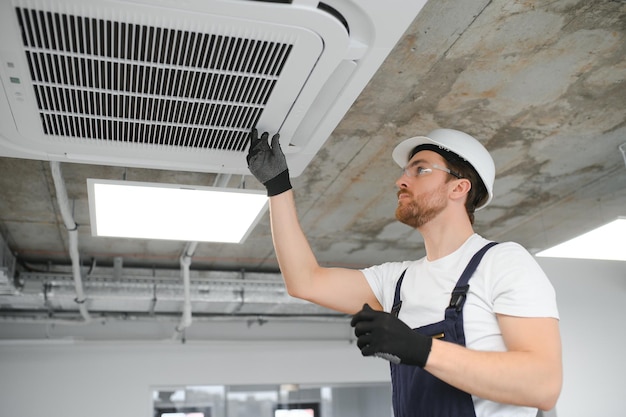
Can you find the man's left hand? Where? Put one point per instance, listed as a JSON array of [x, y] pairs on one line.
[[384, 335]]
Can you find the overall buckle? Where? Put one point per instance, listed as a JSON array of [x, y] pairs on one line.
[[459, 294]]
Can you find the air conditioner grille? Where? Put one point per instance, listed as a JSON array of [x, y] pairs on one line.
[[121, 82]]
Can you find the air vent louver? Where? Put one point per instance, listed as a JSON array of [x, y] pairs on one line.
[[113, 81]]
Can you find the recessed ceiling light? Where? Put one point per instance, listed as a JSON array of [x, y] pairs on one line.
[[607, 242], [173, 212]]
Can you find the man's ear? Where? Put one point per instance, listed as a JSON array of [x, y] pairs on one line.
[[461, 189]]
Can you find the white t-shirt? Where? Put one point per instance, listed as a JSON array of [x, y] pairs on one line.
[[507, 281]]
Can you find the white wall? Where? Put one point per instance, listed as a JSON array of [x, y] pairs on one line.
[[114, 380], [592, 306]]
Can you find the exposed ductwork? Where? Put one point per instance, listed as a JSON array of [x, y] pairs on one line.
[[156, 293]]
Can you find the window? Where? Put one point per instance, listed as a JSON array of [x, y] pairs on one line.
[[273, 400], [297, 410]]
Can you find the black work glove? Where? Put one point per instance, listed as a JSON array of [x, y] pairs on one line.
[[268, 164], [386, 336]]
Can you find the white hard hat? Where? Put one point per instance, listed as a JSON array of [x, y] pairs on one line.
[[459, 143]]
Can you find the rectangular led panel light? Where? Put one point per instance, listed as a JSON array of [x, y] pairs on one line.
[[607, 242], [173, 212]]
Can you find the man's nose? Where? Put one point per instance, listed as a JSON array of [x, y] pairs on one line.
[[401, 182]]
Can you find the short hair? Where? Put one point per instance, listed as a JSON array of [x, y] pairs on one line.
[[478, 193]]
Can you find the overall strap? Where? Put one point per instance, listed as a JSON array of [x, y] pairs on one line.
[[397, 302], [460, 291]]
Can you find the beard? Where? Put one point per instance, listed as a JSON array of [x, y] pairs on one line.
[[419, 210]]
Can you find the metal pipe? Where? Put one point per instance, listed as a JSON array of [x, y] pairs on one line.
[[72, 229], [185, 263]]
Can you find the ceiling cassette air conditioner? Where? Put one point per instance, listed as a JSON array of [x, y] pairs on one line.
[[178, 84]]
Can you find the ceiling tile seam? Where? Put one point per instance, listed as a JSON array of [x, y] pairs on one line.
[[475, 17]]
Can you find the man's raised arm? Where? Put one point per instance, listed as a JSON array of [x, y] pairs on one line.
[[340, 289]]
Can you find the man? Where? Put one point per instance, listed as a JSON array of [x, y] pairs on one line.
[[465, 336]]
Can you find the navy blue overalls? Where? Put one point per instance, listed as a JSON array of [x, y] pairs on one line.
[[415, 391]]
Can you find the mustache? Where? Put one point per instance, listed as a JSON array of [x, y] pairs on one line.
[[402, 192]]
